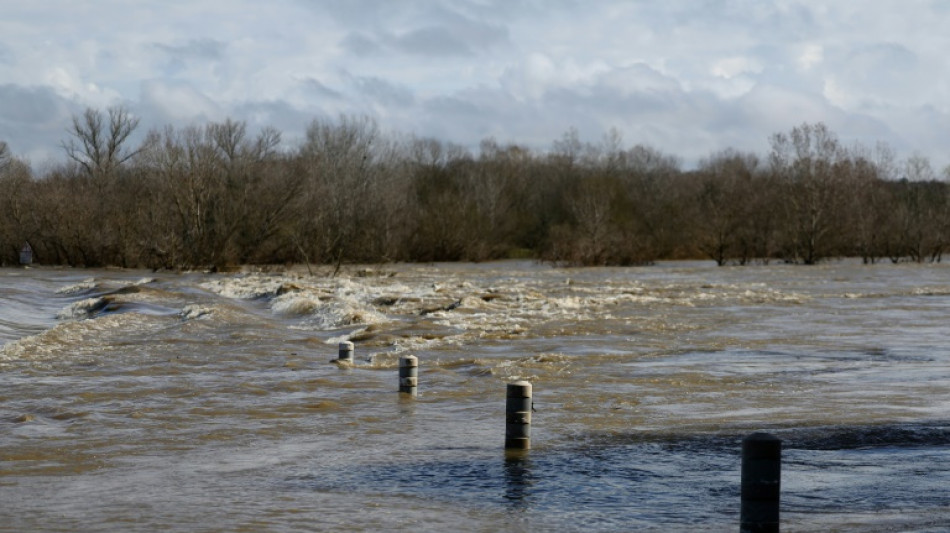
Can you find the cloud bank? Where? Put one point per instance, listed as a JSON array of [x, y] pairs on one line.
[[687, 77]]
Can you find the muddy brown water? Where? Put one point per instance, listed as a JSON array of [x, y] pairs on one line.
[[134, 401]]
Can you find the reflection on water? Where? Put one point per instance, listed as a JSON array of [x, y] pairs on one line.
[[182, 402], [517, 477]]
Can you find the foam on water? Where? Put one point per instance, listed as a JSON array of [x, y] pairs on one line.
[[75, 339], [342, 313], [83, 286], [196, 311], [83, 308], [245, 287], [296, 304]]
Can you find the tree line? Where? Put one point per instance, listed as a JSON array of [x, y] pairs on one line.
[[214, 196]]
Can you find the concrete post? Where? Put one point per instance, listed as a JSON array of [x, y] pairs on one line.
[[518, 416], [408, 374], [761, 483], [346, 352]]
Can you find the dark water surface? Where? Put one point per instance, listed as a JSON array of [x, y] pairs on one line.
[[132, 401]]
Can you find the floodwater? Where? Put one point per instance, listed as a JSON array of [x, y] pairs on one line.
[[134, 401]]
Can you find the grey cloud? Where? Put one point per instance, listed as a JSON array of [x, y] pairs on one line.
[[638, 78], [33, 120], [450, 105], [466, 69], [478, 34], [360, 45], [884, 55], [432, 41], [922, 129], [468, 118], [771, 109], [382, 92], [315, 87], [178, 57], [452, 34], [940, 6], [6, 55], [643, 117], [164, 102], [208, 49], [673, 121], [288, 120], [880, 71], [777, 21], [24, 106], [687, 124], [261, 113], [417, 29], [357, 12]]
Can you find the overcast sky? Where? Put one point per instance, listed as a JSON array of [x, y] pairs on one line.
[[689, 77]]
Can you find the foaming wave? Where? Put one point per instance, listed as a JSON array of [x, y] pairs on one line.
[[245, 288], [83, 286], [90, 285], [771, 296], [326, 308], [296, 304], [84, 308], [195, 311], [80, 338], [931, 291], [570, 303], [342, 313], [915, 291]]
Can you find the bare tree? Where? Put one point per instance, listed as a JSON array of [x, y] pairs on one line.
[[920, 211], [870, 205], [725, 202], [99, 140], [17, 216], [806, 160], [569, 150], [654, 208], [350, 185]]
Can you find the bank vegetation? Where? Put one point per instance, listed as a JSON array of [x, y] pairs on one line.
[[217, 195]]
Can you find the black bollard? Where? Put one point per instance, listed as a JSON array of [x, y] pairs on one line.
[[518, 416], [761, 483], [408, 374], [346, 352]]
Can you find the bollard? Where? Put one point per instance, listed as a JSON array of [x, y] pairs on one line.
[[518, 416], [346, 352], [408, 374], [761, 483]]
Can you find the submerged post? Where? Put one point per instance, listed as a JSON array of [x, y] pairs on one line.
[[408, 374], [518, 416], [761, 483], [346, 352]]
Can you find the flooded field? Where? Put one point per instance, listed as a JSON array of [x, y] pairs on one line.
[[135, 401]]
